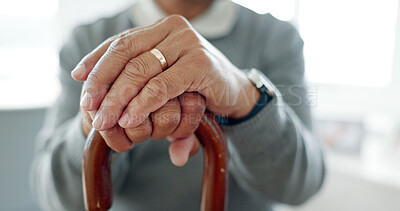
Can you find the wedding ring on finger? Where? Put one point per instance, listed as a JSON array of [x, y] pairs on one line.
[[160, 58]]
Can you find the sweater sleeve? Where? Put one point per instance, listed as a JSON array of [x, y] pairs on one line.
[[275, 154], [56, 170]]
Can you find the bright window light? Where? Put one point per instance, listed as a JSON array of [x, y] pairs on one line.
[[349, 42], [28, 8], [28, 77], [28, 62], [281, 9], [29, 58]]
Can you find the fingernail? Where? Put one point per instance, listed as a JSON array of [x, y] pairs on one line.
[[185, 158], [124, 121], [179, 160], [98, 121], [78, 71]]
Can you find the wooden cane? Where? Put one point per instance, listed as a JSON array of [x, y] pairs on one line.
[[96, 173]]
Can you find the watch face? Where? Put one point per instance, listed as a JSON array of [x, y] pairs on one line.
[[255, 78], [260, 81]]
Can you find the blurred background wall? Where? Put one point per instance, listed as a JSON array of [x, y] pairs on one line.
[[352, 53]]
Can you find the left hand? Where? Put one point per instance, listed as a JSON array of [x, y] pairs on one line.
[[139, 85]]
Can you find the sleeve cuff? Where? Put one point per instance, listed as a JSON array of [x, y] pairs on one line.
[[258, 133]]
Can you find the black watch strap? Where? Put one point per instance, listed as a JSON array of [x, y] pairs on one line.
[[264, 86]]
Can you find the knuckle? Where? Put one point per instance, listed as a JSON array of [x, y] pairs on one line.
[[123, 45], [158, 89], [144, 131], [166, 120], [137, 68], [110, 40], [189, 35], [194, 108], [177, 20], [192, 100], [119, 44], [124, 33], [94, 76], [140, 133]]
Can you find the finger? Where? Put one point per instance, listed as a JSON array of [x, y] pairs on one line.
[[140, 133], [117, 55], [116, 139], [193, 106], [165, 86], [137, 72], [166, 119], [89, 93], [131, 80], [86, 123], [85, 66], [180, 149], [87, 118], [196, 147]]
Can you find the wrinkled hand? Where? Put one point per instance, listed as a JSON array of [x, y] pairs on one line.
[[141, 89], [176, 120]]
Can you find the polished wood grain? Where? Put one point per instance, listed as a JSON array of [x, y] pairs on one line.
[[215, 170], [96, 173]]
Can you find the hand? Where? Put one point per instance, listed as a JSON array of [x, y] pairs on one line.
[[139, 87], [178, 119]]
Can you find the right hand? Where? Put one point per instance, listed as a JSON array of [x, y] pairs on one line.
[[176, 120]]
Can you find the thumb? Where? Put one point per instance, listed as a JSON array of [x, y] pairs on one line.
[[181, 149]]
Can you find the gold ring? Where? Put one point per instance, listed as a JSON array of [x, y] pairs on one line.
[[160, 58]]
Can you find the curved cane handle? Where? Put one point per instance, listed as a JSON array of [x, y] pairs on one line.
[[96, 173], [97, 177]]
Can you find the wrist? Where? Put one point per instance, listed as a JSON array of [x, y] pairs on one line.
[[248, 97]]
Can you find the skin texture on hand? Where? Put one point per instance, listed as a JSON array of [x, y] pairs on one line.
[[181, 116], [131, 98]]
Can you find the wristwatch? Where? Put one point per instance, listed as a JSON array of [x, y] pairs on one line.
[[260, 82], [266, 95]]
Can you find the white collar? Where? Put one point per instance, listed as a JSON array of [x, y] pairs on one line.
[[216, 22]]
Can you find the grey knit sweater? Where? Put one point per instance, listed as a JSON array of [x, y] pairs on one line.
[[274, 157]]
